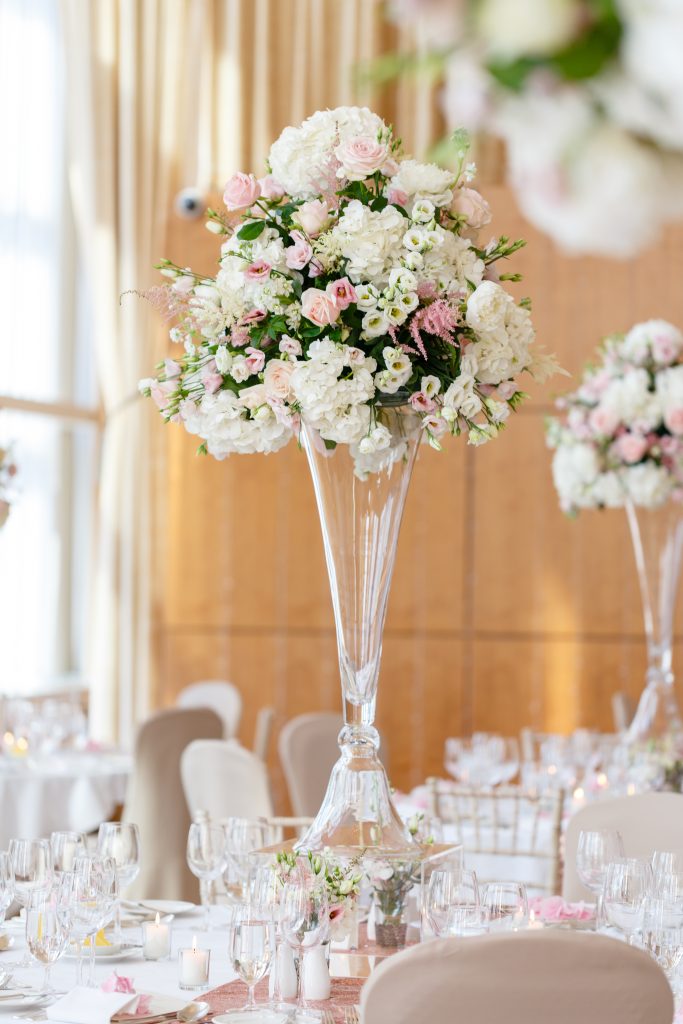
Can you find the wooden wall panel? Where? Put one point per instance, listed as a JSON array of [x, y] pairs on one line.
[[503, 613]]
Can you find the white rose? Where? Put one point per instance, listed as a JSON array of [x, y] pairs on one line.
[[277, 378], [487, 308], [423, 181]]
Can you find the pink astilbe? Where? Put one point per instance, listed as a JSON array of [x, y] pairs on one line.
[[167, 301], [438, 319]]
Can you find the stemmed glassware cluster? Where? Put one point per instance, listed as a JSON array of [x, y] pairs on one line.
[[484, 761], [457, 905]]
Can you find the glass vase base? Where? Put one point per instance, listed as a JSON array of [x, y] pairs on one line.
[[357, 812], [657, 725]]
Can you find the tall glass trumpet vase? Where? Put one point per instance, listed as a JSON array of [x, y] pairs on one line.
[[360, 501], [657, 536]]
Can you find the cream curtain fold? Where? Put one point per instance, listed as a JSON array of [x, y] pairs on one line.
[[164, 94]]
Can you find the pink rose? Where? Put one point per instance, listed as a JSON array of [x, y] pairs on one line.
[[270, 188], [468, 203], [290, 346], [212, 382], [630, 447], [673, 420], [161, 391], [313, 216], [256, 359], [276, 378], [506, 390], [360, 157], [318, 307], [664, 350], [342, 291], [603, 421], [299, 254], [258, 270], [421, 402], [398, 197], [241, 191], [315, 268]]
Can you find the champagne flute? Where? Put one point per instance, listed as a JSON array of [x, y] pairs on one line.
[[627, 884], [31, 861], [251, 951], [66, 846], [120, 840], [207, 858], [594, 853], [305, 924], [47, 930], [6, 883]]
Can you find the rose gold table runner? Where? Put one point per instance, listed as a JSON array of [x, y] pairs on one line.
[[345, 992]]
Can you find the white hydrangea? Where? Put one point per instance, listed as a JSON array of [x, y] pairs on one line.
[[369, 241], [336, 407], [505, 334], [575, 469], [453, 264], [630, 399], [229, 427], [302, 159], [669, 384], [656, 338], [423, 181], [647, 484]]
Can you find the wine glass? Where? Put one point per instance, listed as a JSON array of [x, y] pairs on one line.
[[305, 924], [47, 930], [665, 863], [6, 883], [244, 836], [594, 853], [663, 934], [207, 858], [453, 904], [66, 846], [31, 861], [627, 885], [507, 905], [251, 950], [93, 901], [120, 840]]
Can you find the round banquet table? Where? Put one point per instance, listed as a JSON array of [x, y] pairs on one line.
[[66, 790]]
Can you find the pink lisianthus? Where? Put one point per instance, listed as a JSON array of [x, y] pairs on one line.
[[421, 402], [435, 425], [172, 369], [319, 307], [212, 382], [161, 391], [360, 157], [270, 188], [631, 447], [342, 292], [397, 197], [256, 359], [299, 254], [673, 421], [258, 270], [336, 911], [241, 191]]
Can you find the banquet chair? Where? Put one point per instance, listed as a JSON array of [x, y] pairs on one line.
[[505, 832], [308, 750], [155, 801], [226, 780], [223, 698], [646, 821], [542, 977]]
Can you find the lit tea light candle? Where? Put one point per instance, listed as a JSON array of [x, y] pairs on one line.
[[156, 940], [601, 780], [533, 922], [578, 797], [194, 966], [630, 789]]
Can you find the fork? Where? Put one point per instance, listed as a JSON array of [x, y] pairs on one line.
[[328, 1017], [351, 1015]]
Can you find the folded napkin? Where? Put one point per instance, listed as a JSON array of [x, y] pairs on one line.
[[554, 908], [88, 1006]]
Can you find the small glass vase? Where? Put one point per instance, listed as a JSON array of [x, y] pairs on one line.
[[391, 929], [360, 502], [657, 536]]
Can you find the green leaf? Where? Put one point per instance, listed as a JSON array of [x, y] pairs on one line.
[[248, 232], [330, 445], [513, 74], [589, 54], [379, 204]]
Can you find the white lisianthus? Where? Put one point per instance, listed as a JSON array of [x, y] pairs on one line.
[[402, 279], [478, 435], [413, 260], [415, 239], [423, 211], [397, 361], [423, 181], [430, 386], [223, 359], [389, 382], [366, 296], [375, 324], [461, 399]]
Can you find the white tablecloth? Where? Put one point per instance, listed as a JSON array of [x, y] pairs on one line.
[[62, 791], [159, 976]]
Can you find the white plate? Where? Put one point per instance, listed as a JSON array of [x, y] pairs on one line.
[[113, 952], [177, 907], [27, 1001], [262, 1016]]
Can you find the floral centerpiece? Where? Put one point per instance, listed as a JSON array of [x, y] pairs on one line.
[[391, 881], [8, 471], [354, 309], [587, 96], [619, 444]]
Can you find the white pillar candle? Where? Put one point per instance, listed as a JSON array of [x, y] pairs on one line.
[[156, 940], [194, 966]]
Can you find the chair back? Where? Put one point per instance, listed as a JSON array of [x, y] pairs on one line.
[[262, 732], [505, 832], [646, 821], [225, 780], [308, 750], [520, 978], [155, 801], [223, 698]]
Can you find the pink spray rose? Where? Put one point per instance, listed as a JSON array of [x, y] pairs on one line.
[[318, 307], [342, 291], [673, 421], [270, 188], [630, 447], [256, 359], [276, 378], [313, 216], [258, 270], [360, 157], [241, 191], [603, 421], [398, 197], [472, 206], [299, 254]]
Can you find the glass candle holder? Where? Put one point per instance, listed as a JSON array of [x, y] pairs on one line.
[[156, 939], [193, 967]]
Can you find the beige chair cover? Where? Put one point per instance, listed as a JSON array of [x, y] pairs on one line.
[[223, 698], [225, 780], [549, 977], [308, 750], [155, 802], [647, 822]]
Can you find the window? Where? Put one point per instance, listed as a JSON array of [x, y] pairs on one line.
[[47, 382]]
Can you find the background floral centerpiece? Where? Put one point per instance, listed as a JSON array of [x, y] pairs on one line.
[[391, 881], [619, 444], [348, 278], [587, 96], [8, 472]]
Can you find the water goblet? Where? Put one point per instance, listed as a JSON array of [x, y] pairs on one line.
[[628, 883], [6, 883], [452, 900], [120, 841], [207, 858], [305, 925], [66, 846], [251, 950], [663, 934], [93, 902], [507, 905], [244, 836], [47, 930], [595, 851], [31, 861]]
